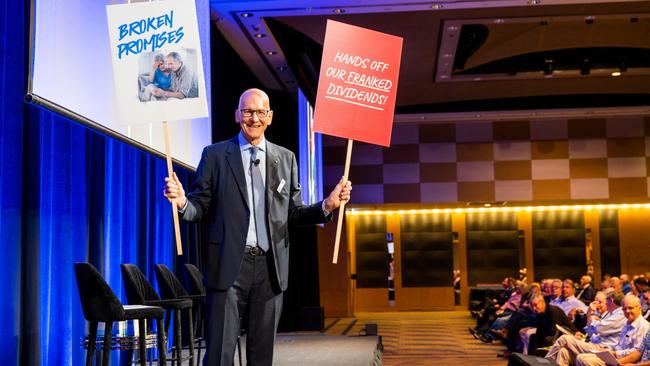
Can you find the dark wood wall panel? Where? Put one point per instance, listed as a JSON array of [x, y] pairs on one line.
[[559, 244], [492, 247], [610, 254], [371, 252], [426, 250]]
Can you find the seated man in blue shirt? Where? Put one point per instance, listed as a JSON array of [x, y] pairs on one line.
[[568, 302], [604, 328], [630, 340]]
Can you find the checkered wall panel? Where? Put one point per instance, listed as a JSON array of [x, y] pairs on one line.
[[526, 161]]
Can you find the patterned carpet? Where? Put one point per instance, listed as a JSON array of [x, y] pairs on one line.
[[423, 338]]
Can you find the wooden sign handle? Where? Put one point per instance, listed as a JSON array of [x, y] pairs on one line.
[[339, 223], [170, 174]]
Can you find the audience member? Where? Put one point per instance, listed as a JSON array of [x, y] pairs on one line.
[[625, 284], [640, 285], [568, 302], [603, 331], [630, 339], [548, 316], [546, 288], [615, 283], [586, 290], [556, 292], [639, 357], [646, 297], [546, 319]]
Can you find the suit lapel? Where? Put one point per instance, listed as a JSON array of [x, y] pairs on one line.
[[272, 176], [233, 156]]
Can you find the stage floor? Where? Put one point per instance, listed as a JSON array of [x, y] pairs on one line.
[[408, 339], [317, 349]]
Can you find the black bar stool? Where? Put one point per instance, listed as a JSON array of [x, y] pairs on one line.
[[101, 305], [171, 289], [139, 291]]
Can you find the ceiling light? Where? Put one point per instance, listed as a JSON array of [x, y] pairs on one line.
[[271, 53], [338, 11], [246, 15], [260, 35], [616, 73], [436, 6]]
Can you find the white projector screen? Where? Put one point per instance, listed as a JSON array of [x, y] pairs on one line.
[[71, 68]]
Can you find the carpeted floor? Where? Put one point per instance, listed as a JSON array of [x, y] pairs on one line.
[[409, 339], [423, 338]]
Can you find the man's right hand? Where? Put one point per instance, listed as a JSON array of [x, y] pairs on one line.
[[174, 191]]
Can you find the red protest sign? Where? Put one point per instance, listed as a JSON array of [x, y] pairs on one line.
[[357, 86]]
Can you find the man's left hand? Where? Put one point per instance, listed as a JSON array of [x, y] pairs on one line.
[[340, 195]]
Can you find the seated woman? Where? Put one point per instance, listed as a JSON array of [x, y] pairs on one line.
[[160, 77]]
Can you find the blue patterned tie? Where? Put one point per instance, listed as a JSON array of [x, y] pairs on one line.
[[259, 207]]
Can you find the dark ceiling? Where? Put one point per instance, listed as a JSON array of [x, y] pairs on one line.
[[473, 57]]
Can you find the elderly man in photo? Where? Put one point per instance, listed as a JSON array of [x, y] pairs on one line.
[[184, 81]]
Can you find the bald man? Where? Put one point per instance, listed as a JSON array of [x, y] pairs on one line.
[[247, 191]]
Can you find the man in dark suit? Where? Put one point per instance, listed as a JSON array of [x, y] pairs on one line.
[[247, 190], [586, 292]]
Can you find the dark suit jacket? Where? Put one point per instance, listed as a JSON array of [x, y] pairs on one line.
[[546, 325], [586, 295], [219, 197]]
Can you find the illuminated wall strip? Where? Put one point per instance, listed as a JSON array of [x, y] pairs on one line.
[[623, 206]]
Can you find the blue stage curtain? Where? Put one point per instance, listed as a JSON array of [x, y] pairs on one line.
[[68, 194], [12, 71]]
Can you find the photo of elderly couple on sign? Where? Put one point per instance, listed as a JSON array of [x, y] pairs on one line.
[[166, 76]]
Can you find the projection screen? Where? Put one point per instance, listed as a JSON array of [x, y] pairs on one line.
[[71, 73]]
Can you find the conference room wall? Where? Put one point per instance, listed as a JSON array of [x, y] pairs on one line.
[[341, 296], [526, 162]]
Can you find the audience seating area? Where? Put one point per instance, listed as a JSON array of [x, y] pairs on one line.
[[527, 317]]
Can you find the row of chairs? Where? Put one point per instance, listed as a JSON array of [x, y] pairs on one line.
[[101, 305]]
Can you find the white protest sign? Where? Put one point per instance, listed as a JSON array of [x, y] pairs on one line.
[[157, 64]]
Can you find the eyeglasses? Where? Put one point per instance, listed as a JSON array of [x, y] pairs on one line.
[[261, 113]]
